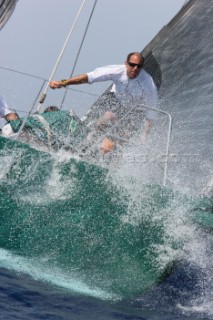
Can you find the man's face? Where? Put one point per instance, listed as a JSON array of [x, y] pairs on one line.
[[11, 116], [134, 66]]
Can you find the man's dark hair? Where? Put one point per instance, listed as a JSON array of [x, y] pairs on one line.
[[132, 53], [51, 109]]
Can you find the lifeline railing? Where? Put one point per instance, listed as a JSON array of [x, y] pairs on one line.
[[142, 107], [167, 140]]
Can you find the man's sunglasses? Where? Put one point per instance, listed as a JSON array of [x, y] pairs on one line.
[[131, 64]]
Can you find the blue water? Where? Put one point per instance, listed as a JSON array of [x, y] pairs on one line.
[[22, 298]]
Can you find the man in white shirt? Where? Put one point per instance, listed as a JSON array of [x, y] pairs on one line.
[[132, 85]]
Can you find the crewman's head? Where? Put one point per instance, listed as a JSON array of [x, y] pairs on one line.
[[11, 116], [51, 109], [134, 64]]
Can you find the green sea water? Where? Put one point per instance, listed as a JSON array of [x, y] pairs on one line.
[[69, 218]]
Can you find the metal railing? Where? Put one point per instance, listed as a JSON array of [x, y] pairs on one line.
[[167, 140], [118, 138]]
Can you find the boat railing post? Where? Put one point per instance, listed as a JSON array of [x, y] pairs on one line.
[[168, 138]]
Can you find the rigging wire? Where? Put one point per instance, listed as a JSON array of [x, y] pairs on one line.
[[81, 45], [43, 79], [43, 97], [22, 73]]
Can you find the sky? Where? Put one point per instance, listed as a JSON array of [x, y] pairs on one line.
[[33, 38]]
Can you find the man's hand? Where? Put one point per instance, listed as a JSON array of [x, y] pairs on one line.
[[107, 146], [56, 84]]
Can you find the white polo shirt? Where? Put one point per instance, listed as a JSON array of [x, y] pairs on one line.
[[130, 92], [7, 131]]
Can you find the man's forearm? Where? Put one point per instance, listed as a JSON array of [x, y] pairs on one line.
[[83, 78]]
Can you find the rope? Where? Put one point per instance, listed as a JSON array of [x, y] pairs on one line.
[[82, 42], [43, 97]]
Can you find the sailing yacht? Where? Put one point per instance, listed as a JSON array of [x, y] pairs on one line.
[[140, 179]]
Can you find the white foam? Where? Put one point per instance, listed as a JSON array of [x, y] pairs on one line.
[[39, 271]]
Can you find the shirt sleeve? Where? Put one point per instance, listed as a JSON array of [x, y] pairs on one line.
[[7, 130], [108, 73], [4, 109]]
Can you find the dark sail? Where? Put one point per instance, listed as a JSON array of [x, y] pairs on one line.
[[6, 9], [180, 60]]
